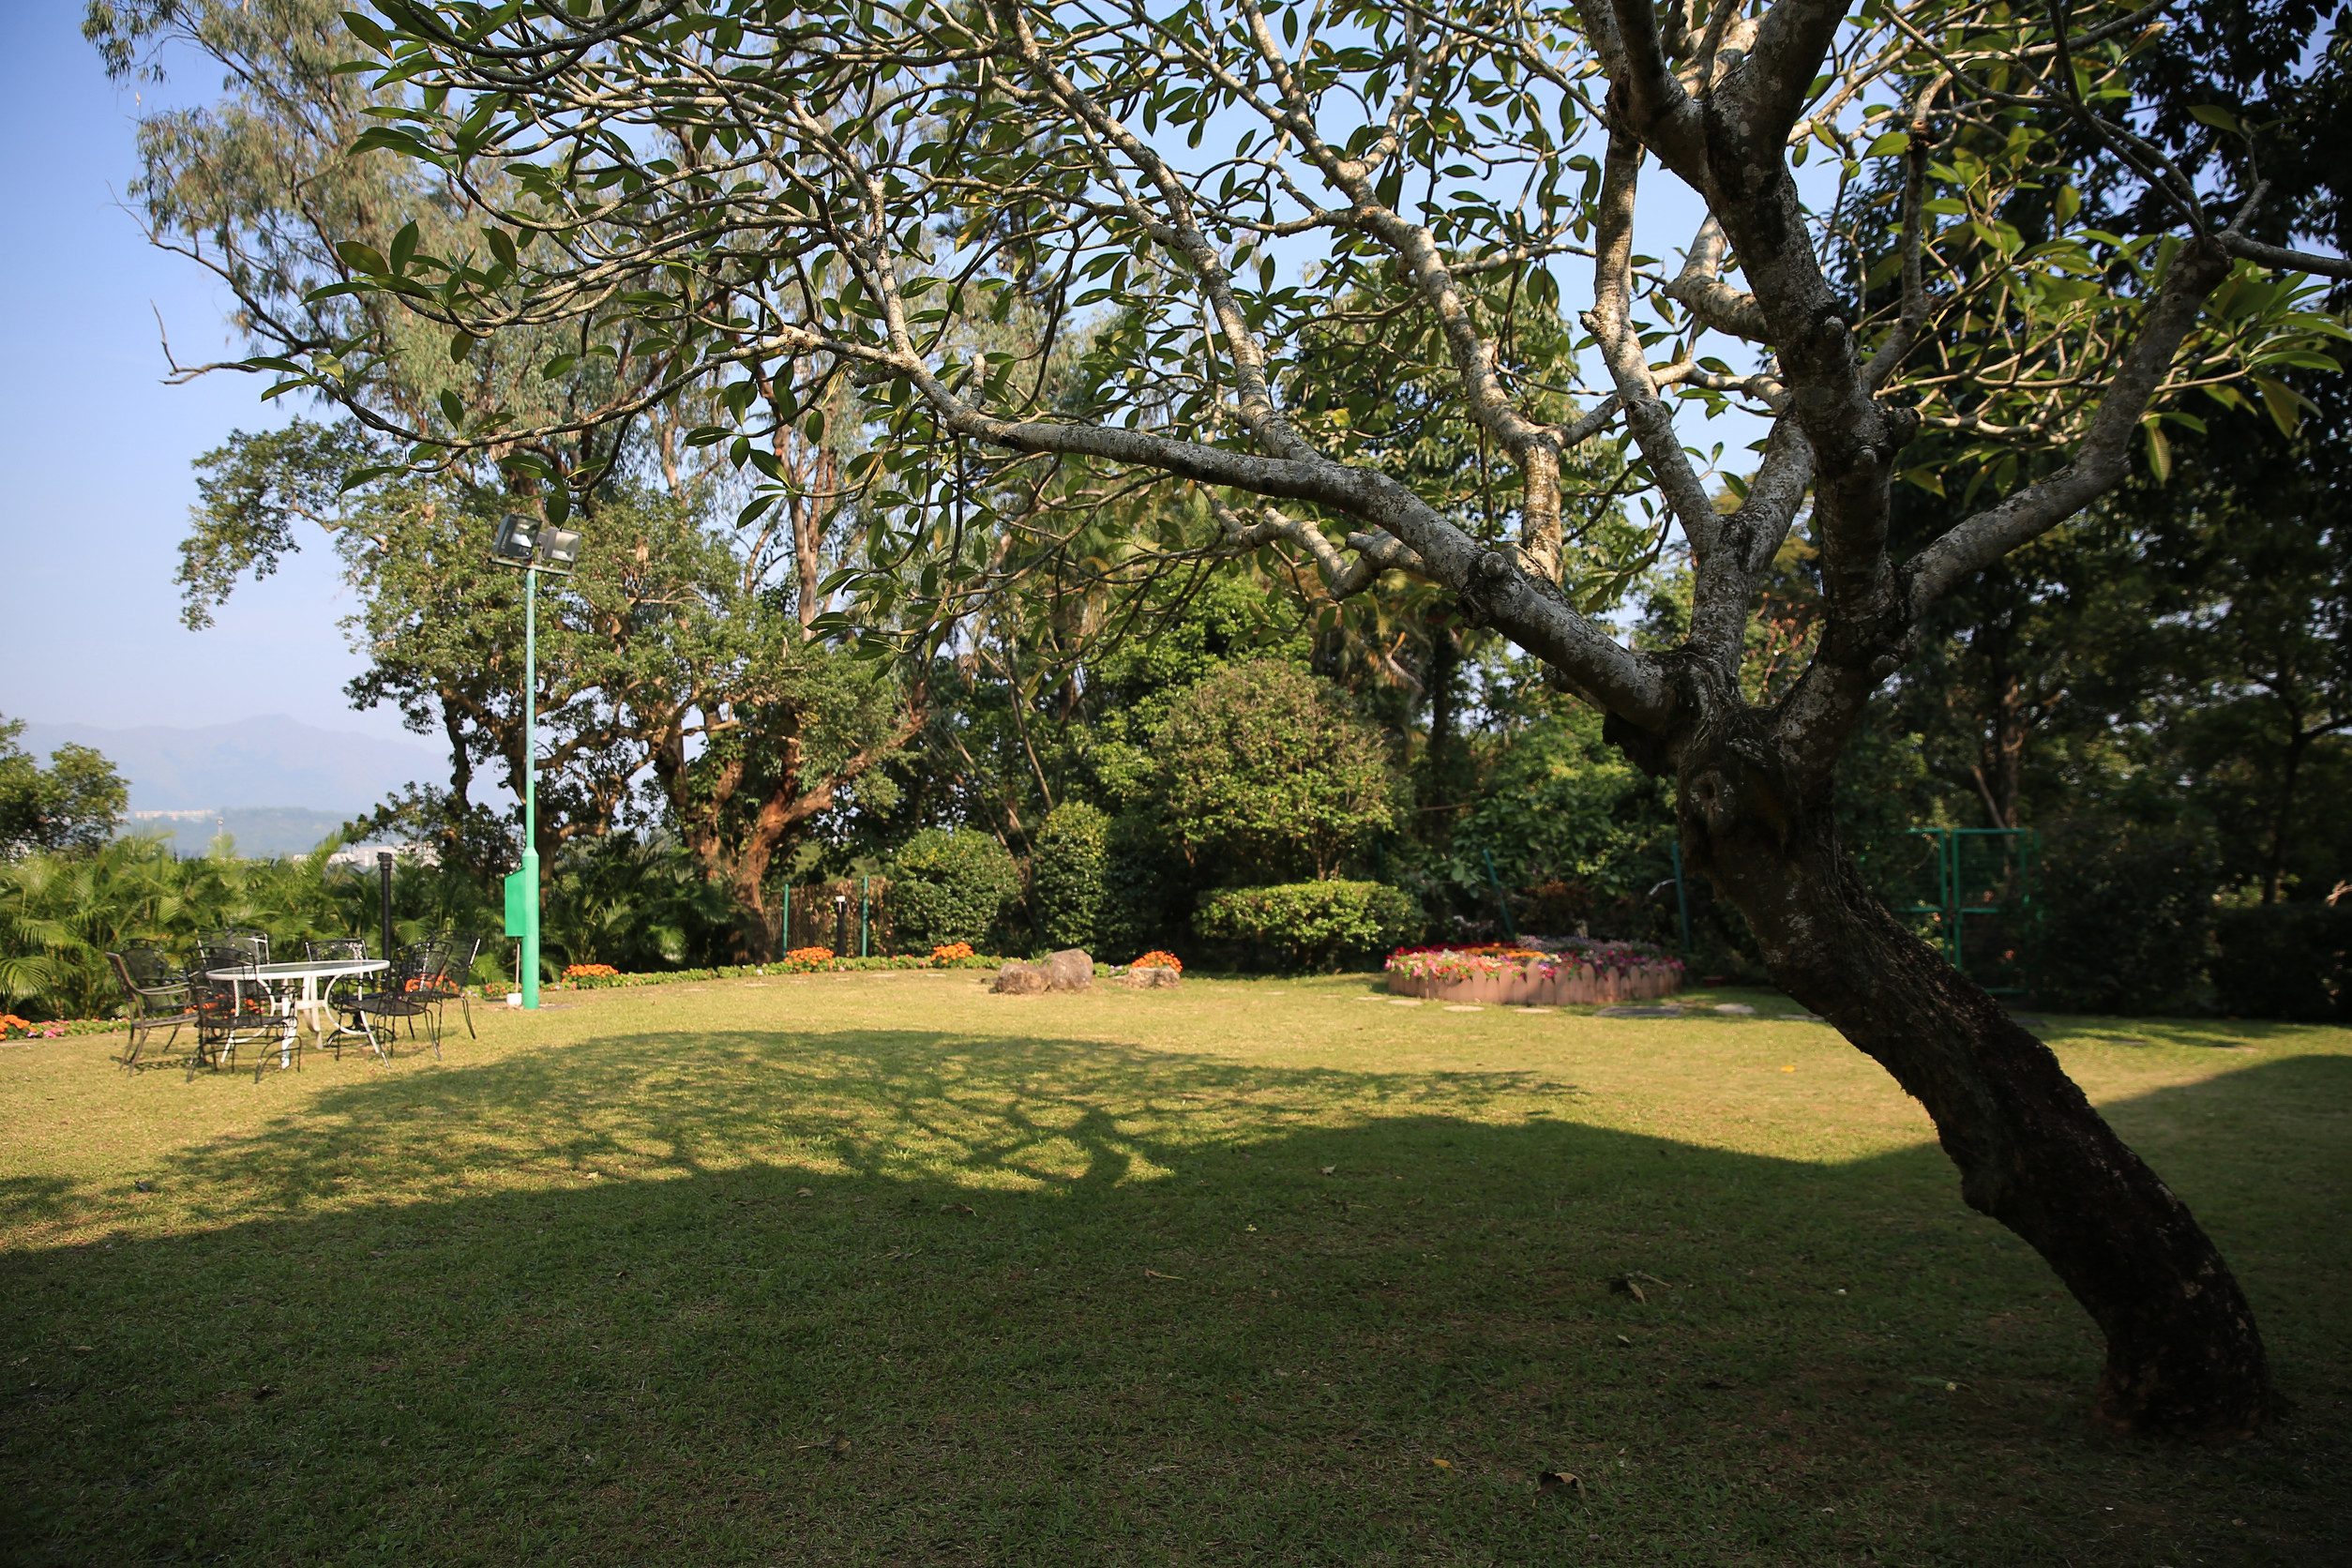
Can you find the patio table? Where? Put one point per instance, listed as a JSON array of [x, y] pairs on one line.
[[314, 974]]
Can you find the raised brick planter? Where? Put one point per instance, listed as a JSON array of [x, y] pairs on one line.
[[1558, 980]]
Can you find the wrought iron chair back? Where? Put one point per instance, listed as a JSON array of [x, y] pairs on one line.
[[456, 974], [157, 993], [255, 945], [232, 1007], [405, 991]]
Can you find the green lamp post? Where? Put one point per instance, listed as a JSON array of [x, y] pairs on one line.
[[531, 547]]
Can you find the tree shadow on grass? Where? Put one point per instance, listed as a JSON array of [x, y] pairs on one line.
[[905, 1296]]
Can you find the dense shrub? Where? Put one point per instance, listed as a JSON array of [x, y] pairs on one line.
[[1574, 829], [2125, 916], [1312, 925], [1266, 772], [947, 886], [1065, 876], [1146, 890], [2286, 962]]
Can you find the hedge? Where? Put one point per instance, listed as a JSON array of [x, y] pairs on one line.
[[1310, 925]]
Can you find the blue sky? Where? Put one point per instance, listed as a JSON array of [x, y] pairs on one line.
[[94, 482]]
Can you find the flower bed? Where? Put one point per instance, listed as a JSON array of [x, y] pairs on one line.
[[802, 960], [14, 1028], [1580, 971]]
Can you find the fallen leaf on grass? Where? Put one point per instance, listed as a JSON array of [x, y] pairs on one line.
[[1556, 1481], [1330, 1170], [1624, 1286], [957, 1208], [1442, 1463], [803, 1193], [1154, 1273]]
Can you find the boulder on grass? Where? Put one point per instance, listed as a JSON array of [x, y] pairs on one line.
[[1071, 969], [1153, 978], [1019, 979]]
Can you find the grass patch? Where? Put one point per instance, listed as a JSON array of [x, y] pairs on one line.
[[882, 1269]]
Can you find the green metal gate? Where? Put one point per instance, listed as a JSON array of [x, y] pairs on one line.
[[1978, 886]]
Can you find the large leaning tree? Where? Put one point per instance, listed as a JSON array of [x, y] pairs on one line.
[[1110, 247]]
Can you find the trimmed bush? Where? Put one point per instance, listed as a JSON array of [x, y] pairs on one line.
[[2125, 917], [1312, 924], [1266, 773], [948, 887], [1065, 875], [2286, 962], [1146, 892]]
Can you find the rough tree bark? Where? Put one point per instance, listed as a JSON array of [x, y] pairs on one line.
[[735, 835], [2183, 1353]]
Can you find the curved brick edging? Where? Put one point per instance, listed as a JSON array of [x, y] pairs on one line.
[[1566, 987]]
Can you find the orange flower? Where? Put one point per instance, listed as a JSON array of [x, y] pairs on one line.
[[809, 955], [1158, 960], [949, 952], [589, 972]]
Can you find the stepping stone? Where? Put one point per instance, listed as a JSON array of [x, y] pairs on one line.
[[1638, 1013], [1403, 1001], [1532, 1012], [1800, 1018], [1369, 999], [1736, 1009], [1464, 1007]]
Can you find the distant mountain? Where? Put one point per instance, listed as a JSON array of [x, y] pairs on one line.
[[271, 761], [259, 832]]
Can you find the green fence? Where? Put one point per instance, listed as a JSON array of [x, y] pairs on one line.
[[1976, 884]]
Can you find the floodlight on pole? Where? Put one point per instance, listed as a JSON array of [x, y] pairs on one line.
[[533, 547]]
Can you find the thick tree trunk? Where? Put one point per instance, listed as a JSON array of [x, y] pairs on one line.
[[2183, 1354]]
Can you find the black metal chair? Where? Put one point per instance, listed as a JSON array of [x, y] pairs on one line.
[[405, 991], [232, 1006], [448, 982], [158, 994]]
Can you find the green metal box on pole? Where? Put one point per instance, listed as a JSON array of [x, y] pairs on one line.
[[522, 923]]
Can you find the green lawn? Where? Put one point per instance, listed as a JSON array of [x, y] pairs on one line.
[[882, 1269]]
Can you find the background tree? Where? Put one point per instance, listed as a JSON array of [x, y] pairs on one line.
[[76, 802], [681, 652]]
